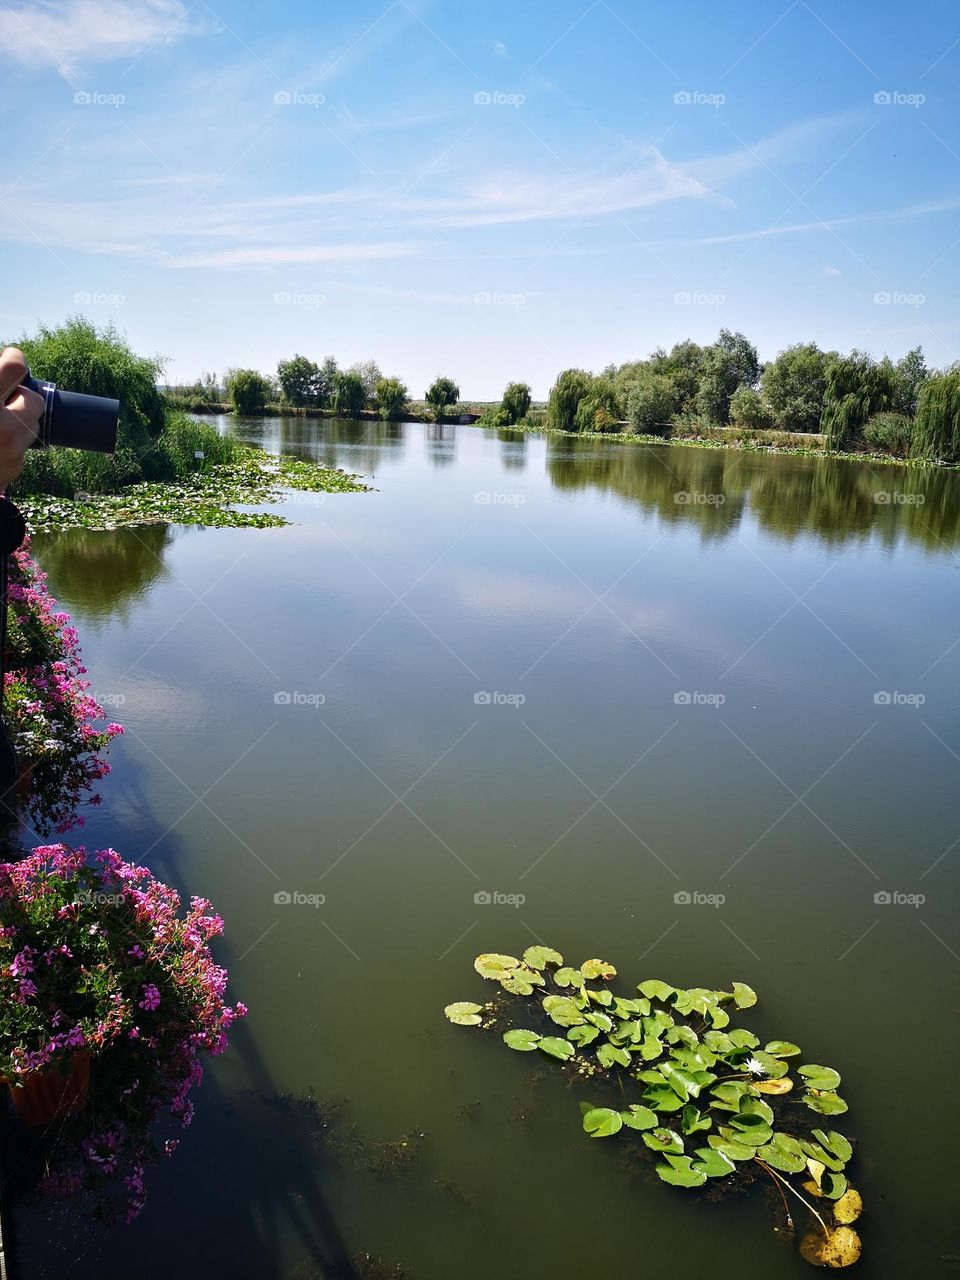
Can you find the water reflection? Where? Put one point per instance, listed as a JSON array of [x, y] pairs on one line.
[[713, 489], [513, 455], [358, 446], [103, 574], [440, 440]]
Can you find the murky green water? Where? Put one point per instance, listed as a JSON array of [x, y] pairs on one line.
[[622, 592]]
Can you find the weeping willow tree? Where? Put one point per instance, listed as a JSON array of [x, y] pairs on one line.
[[857, 387], [936, 432]]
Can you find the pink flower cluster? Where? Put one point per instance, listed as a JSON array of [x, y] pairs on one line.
[[117, 966], [50, 713]]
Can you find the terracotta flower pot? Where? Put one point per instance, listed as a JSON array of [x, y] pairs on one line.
[[47, 1095]]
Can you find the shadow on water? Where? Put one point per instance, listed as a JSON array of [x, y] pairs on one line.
[[245, 1184]]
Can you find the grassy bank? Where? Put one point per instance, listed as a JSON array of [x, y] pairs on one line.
[[758, 440]]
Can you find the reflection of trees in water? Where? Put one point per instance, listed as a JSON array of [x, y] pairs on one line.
[[440, 442], [514, 452], [99, 574], [831, 499], [356, 446]]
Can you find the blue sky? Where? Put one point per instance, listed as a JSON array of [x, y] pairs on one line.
[[487, 190]]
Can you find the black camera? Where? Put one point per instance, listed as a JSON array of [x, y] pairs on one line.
[[74, 420]]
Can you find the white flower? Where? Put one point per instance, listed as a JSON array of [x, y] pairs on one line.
[[757, 1068]]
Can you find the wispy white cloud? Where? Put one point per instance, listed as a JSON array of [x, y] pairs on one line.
[[71, 34], [302, 255], [906, 214]]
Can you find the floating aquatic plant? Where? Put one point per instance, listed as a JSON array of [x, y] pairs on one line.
[[710, 1102]]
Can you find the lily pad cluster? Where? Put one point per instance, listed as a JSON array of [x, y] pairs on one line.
[[709, 1099]]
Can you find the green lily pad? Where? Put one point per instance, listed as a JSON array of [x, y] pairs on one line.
[[602, 1122], [583, 1035], [601, 1020], [833, 1185], [654, 989], [563, 1011], [713, 1162], [598, 969], [540, 957], [662, 1098], [730, 1148], [681, 1173], [744, 997], [693, 1120], [782, 1048], [556, 1047], [664, 1140], [825, 1104], [567, 977], [783, 1152], [608, 1054], [495, 966], [464, 1013], [523, 1041], [835, 1143], [818, 1077], [637, 1117]]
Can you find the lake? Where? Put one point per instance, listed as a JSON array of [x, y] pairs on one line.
[[687, 710]]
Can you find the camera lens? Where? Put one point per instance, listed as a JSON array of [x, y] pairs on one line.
[[74, 420]]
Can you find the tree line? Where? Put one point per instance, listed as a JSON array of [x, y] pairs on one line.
[[857, 402]]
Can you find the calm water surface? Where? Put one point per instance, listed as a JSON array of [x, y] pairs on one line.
[[712, 651]]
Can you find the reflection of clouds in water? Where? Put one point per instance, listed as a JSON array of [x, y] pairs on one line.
[[506, 595]]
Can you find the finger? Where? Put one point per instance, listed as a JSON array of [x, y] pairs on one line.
[[27, 408], [13, 370]]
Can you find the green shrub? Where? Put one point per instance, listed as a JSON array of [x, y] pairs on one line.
[[652, 400], [516, 402], [749, 409], [857, 387], [599, 408], [889, 432], [247, 391], [568, 390], [936, 432]]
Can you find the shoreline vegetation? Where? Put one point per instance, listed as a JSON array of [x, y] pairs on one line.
[[171, 467]]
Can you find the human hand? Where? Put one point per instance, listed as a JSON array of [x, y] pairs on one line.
[[20, 414]]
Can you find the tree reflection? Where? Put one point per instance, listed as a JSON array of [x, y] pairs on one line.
[[716, 490], [99, 574]]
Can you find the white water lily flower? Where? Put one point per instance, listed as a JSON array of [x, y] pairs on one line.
[[757, 1068]]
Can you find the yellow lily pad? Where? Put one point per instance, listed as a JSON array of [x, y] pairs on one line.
[[849, 1207], [840, 1249], [783, 1085], [495, 966]]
